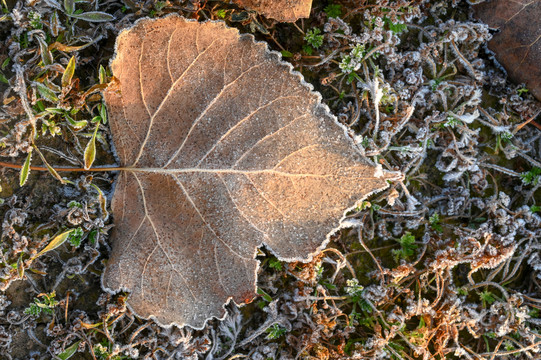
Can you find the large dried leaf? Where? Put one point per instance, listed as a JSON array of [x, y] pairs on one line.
[[518, 43], [226, 150], [281, 10]]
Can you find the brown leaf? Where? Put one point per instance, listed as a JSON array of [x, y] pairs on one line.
[[281, 10], [226, 150], [518, 43]]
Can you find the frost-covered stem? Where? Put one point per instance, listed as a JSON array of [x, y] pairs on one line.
[[402, 213], [529, 159], [32, 336], [500, 169], [330, 57], [373, 87], [465, 61], [487, 115], [522, 349], [497, 348], [64, 169], [390, 349], [320, 298], [407, 117], [274, 318], [521, 125], [138, 330], [357, 106], [360, 236], [472, 352], [377, 48], [20, 88], [506, 275], [215, 346], [343, 259], [490, 283], [376, 95]]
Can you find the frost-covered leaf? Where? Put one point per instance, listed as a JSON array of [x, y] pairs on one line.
[[25, 170], [56, 242], [90, 150], [281, 10], [518, 43], [94, 16], [224, 149]]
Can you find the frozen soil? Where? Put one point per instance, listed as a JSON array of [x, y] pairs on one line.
[[444, 264]]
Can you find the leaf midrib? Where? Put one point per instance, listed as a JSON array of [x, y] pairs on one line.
[[232, 171]]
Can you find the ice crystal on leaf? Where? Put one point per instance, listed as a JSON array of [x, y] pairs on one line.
[[224, 149]]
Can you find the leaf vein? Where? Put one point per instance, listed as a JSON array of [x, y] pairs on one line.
[[166, 97], [246, 118], [209, 105], [203, 218]]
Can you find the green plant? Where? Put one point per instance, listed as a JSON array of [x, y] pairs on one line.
[[397, 28], [531, 177], [353, 288], [522, 90], [407, 247], [333, 10], [313, 38], [222, 13], [46, 305], [275, 264], [487, 298], [452, 122], [352, 62], [102, 352], [276, 331], [434, 221], [35, 19], [75, 237]]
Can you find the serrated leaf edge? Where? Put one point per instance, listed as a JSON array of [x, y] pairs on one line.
[[319, 105]]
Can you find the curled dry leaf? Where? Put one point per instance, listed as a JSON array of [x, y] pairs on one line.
[[225, 149], [518, 43], [281, 10]]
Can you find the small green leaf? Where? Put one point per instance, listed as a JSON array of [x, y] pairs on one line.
[[103, 113], [276, 331], [3, 78], [221, 13], [49, 167], [54, 110], [55, 24], [46, 56], [76, 237], [275, 264], [265, 296], [66, 354], [46, 92], [69, 6], [286, 54], [94, 16], [103, 201], [56, 242], [90, 150], [314, 38], [20, 267], [5, 64], [77, 124], [25, 170], [102, 75], [68, 73]]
